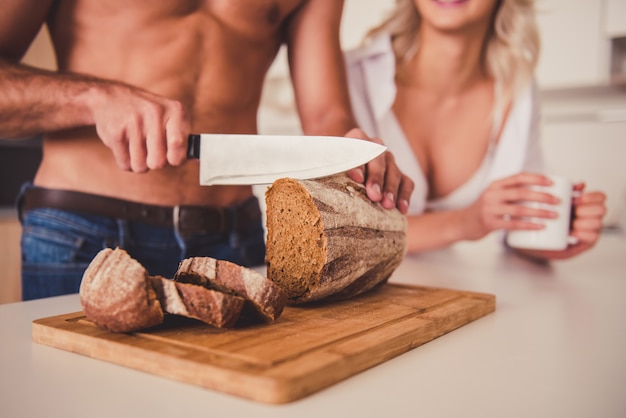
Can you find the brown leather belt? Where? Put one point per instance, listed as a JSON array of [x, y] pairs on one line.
[[187, 220]]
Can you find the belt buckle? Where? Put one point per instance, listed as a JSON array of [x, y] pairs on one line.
[[176, 219], [217, 224]]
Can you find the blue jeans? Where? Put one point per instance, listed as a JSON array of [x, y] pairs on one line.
[[57, 246]]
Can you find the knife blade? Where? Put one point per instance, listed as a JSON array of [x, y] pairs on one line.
[[242, 159]]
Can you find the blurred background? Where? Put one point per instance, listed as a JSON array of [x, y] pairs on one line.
[[581, 74]]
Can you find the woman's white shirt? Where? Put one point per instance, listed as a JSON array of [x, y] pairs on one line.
[[371, 74]]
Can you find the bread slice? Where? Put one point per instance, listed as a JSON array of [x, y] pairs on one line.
[[119, 295], [209, 306], [267, 298], [327, 240]]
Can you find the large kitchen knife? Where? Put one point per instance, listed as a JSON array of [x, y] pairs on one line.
[[232, 159]]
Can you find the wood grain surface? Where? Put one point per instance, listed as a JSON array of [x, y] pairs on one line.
[[307, 349]]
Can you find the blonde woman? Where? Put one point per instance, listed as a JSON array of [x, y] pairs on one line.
[[449, 87]]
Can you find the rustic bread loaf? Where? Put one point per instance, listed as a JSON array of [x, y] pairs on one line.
[[267, 298], [117, 294], [327, 240]]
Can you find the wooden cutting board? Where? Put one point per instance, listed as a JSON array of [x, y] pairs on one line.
[[305, 350]]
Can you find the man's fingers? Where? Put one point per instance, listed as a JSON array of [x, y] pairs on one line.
[[375, 178], [146, 132], [156, 149], [357, 174], [155, 140], [391, 187], [177, 130], [384, 182], [404, 194], [359, 134], [374, 174], [136, 138], [119, 148]]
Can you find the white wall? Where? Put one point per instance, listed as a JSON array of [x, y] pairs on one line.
[[359, 16]]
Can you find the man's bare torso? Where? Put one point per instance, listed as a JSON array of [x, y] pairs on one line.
[[211, 55]]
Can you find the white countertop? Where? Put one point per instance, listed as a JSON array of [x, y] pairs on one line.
[[554, 347]]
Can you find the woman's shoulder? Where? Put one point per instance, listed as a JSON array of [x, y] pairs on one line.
[[373, 49], [371, 70], [526, 102]]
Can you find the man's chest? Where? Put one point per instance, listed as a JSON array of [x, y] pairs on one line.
[[245, 16], [252, 16]]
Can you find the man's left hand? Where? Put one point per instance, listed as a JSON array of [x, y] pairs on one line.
[[384, 182]]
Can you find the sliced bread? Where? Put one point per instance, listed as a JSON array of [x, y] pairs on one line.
[[267, 298], [119, 295]]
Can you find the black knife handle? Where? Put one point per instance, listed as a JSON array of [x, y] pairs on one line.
[[193, 146]]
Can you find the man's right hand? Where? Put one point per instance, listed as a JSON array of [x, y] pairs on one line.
[[144, 131]]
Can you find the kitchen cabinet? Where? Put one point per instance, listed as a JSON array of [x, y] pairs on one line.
[[594, 154], [615, 18], [615, 24], [575, 50], [10, 256], [584, 138]]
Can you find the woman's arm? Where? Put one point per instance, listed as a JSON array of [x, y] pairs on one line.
[[434, 230], [498, 207]]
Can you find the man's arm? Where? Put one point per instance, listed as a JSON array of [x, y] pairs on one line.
[[144, 131], [20, 21], [322, 99], [32, 100], [317, 68], [25, 108]]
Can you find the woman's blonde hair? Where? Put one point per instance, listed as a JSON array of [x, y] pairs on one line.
[[511, 48]]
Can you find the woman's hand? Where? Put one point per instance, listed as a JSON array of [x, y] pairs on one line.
[[588, 213], [500, 206]]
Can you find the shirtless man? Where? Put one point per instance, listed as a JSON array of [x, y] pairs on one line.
[[134, 79]]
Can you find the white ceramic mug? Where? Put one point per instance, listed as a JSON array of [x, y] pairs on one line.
[[555, 235]]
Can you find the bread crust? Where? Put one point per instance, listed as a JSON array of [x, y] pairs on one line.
[[209, 306], [118, 294], [267, 298], [115, 293], [327, 240]]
